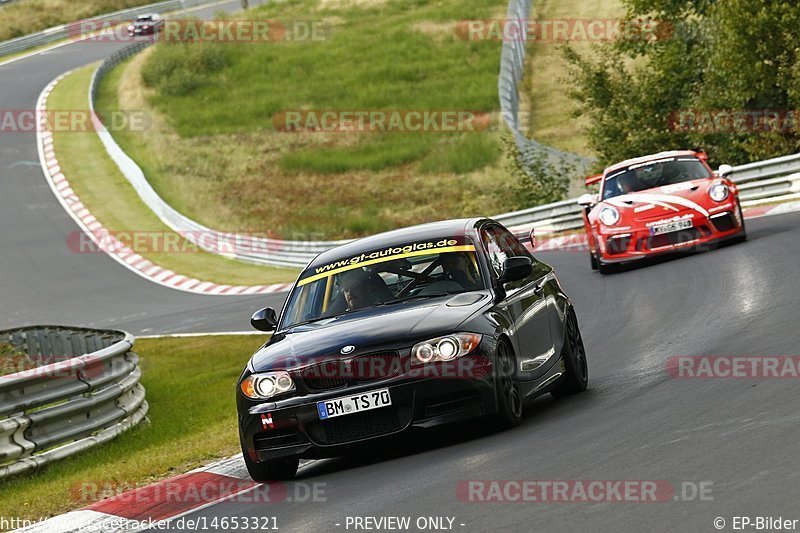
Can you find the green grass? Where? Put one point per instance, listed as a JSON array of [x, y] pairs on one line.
[[23, 17], [545, 97], [214, 142], [13, 360], [192, 420], [110, 197]]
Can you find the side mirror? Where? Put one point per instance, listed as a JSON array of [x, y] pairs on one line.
[[516, 268], [264, 319], [724, 171], [587, 200]]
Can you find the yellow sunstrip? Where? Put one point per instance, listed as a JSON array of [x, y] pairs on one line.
[[429, 251]]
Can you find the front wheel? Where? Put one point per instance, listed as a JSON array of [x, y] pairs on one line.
[[603, 268], [272, 470], [509, 395], [743, 235], [576, 371]]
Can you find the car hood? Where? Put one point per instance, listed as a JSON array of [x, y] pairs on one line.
[[664, 202], [377, 329]]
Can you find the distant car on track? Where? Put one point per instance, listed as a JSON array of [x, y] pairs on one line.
[[660, 203], [149, 24], [416, 327]]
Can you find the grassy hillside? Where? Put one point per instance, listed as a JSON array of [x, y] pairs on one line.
[[214, 140], [546, 98]]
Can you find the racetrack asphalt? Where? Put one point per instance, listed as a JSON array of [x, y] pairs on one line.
[[635, 422]]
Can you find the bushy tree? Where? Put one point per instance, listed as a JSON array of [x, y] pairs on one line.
[[675, 90], [533, 180]]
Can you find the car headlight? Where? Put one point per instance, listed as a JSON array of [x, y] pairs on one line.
[[609, 215], [719, 192], [266, 385], [131, 28], [445, 348]]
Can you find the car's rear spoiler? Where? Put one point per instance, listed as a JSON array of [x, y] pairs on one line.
[[527, 237], [591, 180]]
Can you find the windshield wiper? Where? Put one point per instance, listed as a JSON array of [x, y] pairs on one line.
[[309, 321], [418, 297]]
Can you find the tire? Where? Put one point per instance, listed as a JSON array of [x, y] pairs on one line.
[[743, 235], [602, 267], [509, 394], [272, 470], [593, 260], [576, 370]]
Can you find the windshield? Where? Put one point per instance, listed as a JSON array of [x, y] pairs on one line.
[[653, 174], [388, 276]]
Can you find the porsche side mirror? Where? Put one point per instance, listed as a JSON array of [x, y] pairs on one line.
[[516, 268], [264, 319], [587, 200], [724, 171]]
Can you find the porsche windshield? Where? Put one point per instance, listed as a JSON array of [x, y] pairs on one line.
[[384, 277], [653, 174]]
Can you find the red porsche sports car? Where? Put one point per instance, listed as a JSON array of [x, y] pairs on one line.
[[660, 203]]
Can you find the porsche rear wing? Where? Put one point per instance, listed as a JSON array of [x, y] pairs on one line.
[[593, 179]]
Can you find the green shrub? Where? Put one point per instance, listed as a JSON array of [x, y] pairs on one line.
[[179, 69]]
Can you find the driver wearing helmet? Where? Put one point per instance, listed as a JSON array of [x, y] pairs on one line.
[[629, 182]]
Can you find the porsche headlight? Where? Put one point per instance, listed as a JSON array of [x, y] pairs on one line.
[[609, 215], [445, 348], [266, 385], [719, 192]]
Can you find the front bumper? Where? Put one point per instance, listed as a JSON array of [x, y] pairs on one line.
[[638, 243], [417, 401]]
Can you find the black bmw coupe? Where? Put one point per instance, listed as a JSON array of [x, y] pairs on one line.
[[415, 327]]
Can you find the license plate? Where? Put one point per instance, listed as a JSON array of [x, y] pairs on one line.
[[348, 405], [670, 227]]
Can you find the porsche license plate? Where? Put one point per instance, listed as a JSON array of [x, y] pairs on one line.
[[670, 227], [348, 405]]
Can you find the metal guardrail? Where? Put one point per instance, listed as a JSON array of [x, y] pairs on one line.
[[82, 390], [75, 29], [244, 247], [759, 181], [753, 189], [770, 179], [512, 68]]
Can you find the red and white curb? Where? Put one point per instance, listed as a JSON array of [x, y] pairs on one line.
[[168, 500], [105, 240]]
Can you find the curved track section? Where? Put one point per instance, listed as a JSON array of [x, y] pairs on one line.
[[634, 423], [41, 280]]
